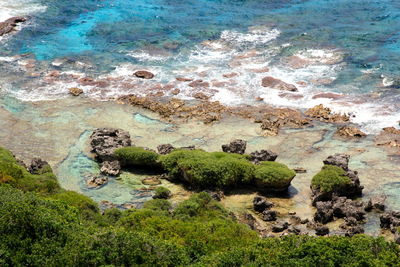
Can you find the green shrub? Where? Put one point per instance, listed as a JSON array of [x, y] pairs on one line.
[[272, 175], [330, 178], [198, 204], [137, 156], [87, 207], [157, 204], [208, 170], [162, 192]]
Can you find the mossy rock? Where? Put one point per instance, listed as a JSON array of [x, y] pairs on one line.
[[137, 156], [162, 193], [330, 178], [208, 170], [273, 176]]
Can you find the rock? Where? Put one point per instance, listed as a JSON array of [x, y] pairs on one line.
[[350, 131], [300, 170], [377, 203], [305, 221], [112, 168], [397, 237], [10, 24], [344, 207], [216, 195], [236, 146], [325, 114], [390, 220], [358, 229], [201, 96], [176, 91], [261, 204], [274, 83], [249, 219], [165, 149], [104, 141], [37, 166], [199, 83], [389, 137], [292, 213], [269, 215], [144, 74], [340, 160], [183, 79], [75, 91], [151, 181], [324, 213], [294, 230], [97, 181], [295, 219], [279, 227], [321, 230], [263, 155]]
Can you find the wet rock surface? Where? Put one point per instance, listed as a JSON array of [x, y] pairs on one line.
[[144, 74], [10, 24], [75, 91], [350, 132], [274, 83], [96, 181], [263, 155], [325, 114], [237, 146]]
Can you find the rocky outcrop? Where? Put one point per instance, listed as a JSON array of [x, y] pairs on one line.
[[269, 215], [322, 113], [260, 204], [144, 74], [280, 227], [376, 203], [324, 213], [237, 146], [165, 149], [96, 181], [38, 166], [10, 24], [350, 132], [104, 142], [389, 137], [274, 83], [340, 160], [263, 155], [390, 220]]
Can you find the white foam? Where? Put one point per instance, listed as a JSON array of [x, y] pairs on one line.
[[13, 8]]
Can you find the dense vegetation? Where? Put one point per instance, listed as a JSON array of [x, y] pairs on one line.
[[330, 178], [62, 228], [137, 156]]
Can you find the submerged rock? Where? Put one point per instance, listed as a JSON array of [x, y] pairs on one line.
[[236, 146], [96, 181], [350, 131], [263, 155], [274, 83], [10, 24]]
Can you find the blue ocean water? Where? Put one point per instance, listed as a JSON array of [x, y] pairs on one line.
[[107, 32]]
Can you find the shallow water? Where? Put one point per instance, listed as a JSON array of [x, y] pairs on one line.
[[347, 47]]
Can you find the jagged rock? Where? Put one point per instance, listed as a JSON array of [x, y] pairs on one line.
[[358, 229], [216, 195], [37, 165], [165, 149], [151, 181], [388, 137], [344, 207], [104, 141], [236, 146], [97, 181], [340, 160], [261, 204], [280, 227], [112, 168], [390, 220], [350, 131], [263, 155], [75, 91], [269, 215], [324, 213], [10, 24], [274, 83], [377, 203], [144, 74], [325, 114], [321, 230]]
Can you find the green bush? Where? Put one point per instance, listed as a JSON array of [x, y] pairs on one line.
[[208, 170], [157, 204], [330, 178], [271, 175], [87, 207], [12, 173], [137, 156], [162, 192]]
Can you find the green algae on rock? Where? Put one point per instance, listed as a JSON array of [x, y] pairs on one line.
[[273, 176], [136, 156], [330, 178]]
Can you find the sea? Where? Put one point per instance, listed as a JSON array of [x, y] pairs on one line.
[[340, 53]]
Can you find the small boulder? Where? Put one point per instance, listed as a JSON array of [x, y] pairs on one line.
[[263, 155], [261, 204], [144, 74], [324, 213], [165, 149], [269, 215], [96, 181], [104, 142], [236, 146], [75, 91], [10, 24], [377, 203], [321, 230], [358, 229], [349, 132], [280, 227], [112, 168], [322, 113]]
